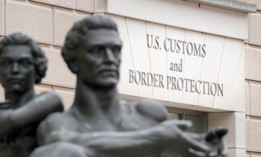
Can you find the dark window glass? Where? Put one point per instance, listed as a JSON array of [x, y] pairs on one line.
[[199, 119]]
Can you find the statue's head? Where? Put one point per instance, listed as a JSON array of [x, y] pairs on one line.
[[22, 63], [92, 51]]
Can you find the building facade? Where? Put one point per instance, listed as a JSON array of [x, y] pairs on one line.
[[199, 58]]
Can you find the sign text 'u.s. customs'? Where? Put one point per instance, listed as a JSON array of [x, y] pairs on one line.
[[181, 47]]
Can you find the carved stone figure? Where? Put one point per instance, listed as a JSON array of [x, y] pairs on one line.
[[99, 124], [22, 64]]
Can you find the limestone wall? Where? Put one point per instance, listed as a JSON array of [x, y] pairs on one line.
[[47, 21], [253, 83]]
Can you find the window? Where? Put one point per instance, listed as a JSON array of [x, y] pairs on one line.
[[199, 119]]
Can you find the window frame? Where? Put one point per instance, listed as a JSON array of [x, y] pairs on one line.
[[184, 112]]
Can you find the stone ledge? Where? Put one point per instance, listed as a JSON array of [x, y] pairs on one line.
[[229, 4], [254, 154], [257, 2]]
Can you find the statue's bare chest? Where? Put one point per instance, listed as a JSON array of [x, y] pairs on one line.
[[128, 120]]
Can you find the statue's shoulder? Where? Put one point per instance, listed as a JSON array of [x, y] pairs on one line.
[[57, 116], [152, 108], [54, 126], [48, 96], [46, 93], [58, 120]]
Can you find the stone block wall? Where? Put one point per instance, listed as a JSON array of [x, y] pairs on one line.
[[47, 21], [253, 83]]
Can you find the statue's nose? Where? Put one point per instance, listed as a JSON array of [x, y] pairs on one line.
[[15, 67], [109, 55]]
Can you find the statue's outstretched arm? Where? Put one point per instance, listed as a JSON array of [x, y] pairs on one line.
[[157, 140], [12, 120]]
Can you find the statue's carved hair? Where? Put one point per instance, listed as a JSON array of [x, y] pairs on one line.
[[80, 29], [40, 61]]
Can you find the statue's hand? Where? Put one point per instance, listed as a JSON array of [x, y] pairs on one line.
[[215, 140], [179, 143]]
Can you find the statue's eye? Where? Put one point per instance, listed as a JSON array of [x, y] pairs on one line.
[[116, 50], [25, 62], [96, 51], [5, 63]]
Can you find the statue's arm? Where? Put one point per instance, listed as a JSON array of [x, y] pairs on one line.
[[31, 113], [165, 137], [152, 109]]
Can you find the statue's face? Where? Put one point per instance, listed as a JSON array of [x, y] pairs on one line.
[[17, 72], [99, 57]]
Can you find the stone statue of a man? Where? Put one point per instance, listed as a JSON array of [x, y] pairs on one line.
[[99, 124], [22, 64]]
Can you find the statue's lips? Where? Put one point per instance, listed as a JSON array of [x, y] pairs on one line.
[[15, 80], [108, 72]]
